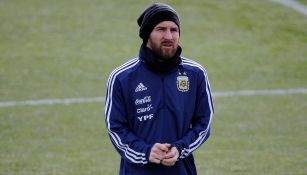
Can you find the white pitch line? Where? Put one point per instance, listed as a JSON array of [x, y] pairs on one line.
[[293, 4], [64, 101], [261, 92], [67, 101]]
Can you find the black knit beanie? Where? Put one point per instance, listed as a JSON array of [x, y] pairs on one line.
[[153, 15]]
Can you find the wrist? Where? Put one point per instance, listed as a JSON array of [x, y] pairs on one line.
[[178, 150]]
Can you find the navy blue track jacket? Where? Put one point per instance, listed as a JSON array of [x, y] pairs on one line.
[[144, 107]]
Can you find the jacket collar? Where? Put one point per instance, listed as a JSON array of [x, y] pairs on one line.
[[158, 64]]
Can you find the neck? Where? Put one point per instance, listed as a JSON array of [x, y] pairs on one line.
[[157, 63]]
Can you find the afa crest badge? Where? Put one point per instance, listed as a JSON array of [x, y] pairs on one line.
[[183, 83]]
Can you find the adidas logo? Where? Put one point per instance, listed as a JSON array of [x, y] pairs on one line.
[[140, 88]]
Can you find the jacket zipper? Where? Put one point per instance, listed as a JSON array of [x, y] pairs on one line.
[[163, 92]]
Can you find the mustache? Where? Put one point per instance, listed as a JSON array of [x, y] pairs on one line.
[[167, 42]]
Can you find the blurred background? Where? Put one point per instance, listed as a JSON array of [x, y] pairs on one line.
[[59, 49]]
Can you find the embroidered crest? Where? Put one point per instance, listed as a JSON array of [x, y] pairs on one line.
[[183, 83]]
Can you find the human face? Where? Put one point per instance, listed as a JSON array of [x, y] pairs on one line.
[[164, 39]]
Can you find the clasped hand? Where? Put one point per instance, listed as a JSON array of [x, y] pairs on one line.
[[164, 154]]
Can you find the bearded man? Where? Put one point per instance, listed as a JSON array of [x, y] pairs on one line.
[[159, 106]]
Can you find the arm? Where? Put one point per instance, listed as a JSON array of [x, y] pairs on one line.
[[130, 147], [200, 126]]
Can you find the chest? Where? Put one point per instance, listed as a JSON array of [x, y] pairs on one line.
[[147, 93]]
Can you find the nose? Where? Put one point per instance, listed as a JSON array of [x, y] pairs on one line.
[[168, 34]]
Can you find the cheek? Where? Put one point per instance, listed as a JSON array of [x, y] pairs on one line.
[[176, 40], [153, 44], [155, 39], [176, 37], [155, 36]]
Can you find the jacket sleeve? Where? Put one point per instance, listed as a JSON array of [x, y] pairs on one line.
[[131, 148], [200, 126]]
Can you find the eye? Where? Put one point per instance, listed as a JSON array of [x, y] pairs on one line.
[[160, 29], [174, 30]]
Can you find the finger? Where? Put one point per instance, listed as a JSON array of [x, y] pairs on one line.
[[154, 158], [163, 147], [158, 152], [172, 153], [159, 155], [168, 162], [167, 145], [159, 146], [169, 155]]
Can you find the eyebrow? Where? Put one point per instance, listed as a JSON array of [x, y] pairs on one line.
[[163, 27]]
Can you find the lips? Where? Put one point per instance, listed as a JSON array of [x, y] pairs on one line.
[[167, 44]]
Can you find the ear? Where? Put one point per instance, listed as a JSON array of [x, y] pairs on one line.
[[148, 44]]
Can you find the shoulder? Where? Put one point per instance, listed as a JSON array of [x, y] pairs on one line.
[[124, 69], [193, 66]]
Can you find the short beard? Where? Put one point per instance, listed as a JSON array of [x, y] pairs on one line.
[[163, 53]]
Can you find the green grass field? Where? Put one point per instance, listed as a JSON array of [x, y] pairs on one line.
[[66, 49]]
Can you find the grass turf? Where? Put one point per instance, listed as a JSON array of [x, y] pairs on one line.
[[63, 49]]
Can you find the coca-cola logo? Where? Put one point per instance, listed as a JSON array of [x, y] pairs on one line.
[[144, 100]]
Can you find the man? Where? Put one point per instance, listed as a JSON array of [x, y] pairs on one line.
[[158, 105]]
